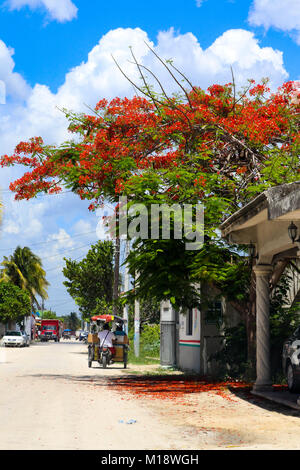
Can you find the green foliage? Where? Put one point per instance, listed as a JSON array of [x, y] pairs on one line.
[[14, 303], [90, 281], [149, 312], [150, 339], [164, 268], [48, 315], [72, 321], [227, 268], [168, 271], [149, 345], [102, 308], [232, 358]]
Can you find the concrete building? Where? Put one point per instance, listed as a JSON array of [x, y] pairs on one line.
[[271, 222]]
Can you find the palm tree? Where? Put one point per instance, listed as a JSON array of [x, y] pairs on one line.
[[24, 269]]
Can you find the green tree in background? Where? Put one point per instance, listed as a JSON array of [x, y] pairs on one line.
[[14, 303], [72, 321], [24, 269], [48, 315], [90, 281]]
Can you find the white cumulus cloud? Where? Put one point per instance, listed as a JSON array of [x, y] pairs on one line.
[[60, 10], [282, 15], [37, 111]]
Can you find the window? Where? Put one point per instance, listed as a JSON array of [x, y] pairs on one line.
[[214, 313], [189, 322]]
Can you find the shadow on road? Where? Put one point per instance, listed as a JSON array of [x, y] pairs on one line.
[[267, 405], [47, 343]]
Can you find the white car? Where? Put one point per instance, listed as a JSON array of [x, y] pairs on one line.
[[16, 338]]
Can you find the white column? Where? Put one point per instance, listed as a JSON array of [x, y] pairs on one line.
[[263, 359]]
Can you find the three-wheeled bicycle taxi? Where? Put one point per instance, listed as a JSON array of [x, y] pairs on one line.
[[98, 350]]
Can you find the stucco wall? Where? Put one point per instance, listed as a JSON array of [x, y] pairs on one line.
[[189, 345]]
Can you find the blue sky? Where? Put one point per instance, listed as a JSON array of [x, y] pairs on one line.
[[58, 54], [46, 49]]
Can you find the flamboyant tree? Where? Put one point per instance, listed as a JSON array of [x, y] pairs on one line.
[[218, 146], [211, 146]]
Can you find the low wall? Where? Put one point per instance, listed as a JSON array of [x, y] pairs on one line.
[[189, 356]]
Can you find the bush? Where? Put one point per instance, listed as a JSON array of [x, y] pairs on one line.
[[232, 359], [150, 339], [14, 303]]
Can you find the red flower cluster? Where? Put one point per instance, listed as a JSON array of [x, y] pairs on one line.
[[211, 133]]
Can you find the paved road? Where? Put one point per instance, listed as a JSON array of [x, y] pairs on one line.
[[50, 399]]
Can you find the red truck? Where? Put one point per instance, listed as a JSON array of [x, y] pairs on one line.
[[51, 330]]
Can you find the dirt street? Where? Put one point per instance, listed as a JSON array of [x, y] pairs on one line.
[[50, 399]]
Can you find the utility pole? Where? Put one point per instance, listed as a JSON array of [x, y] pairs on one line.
[[126, 286], [136, 326]]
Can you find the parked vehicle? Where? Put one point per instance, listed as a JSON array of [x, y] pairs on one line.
[[51, 330], [66, 334], [77, 334], [291, 361], [83, 336], [16, 338]]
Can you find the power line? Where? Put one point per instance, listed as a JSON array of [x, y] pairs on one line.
[[67, 251], [61, 267], [58, 267], [62, 303]]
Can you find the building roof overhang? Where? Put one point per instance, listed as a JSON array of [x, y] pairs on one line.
[[264, 221]]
